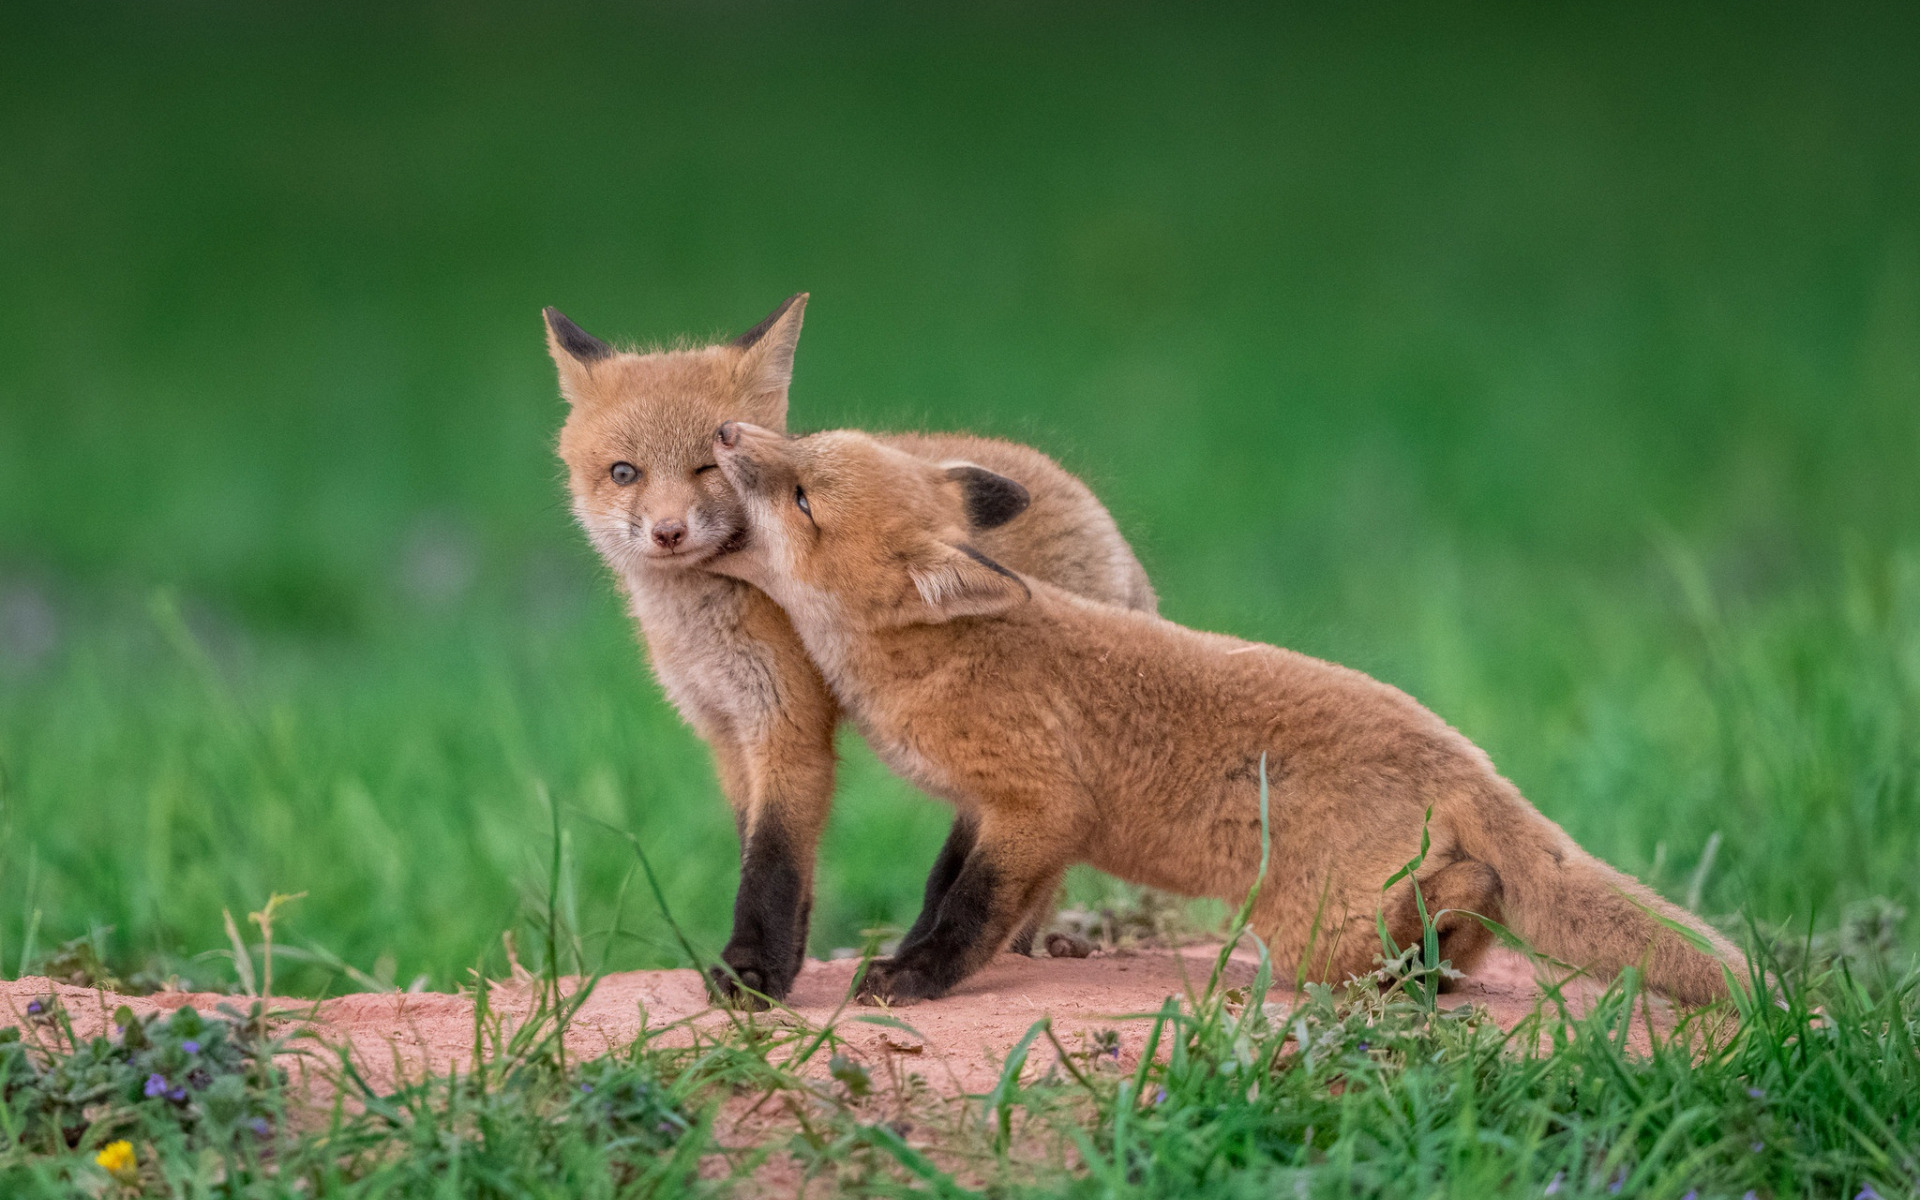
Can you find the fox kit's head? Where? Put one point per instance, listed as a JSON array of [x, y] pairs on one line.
[[638, 442], [854, 534]]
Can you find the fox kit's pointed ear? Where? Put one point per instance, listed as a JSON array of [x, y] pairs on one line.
[[574, 352], [959, 581], [992, 500], [766, 362]]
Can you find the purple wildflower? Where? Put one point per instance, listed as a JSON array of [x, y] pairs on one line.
[[1757, 1093], [190, 1046], [1553, 1185], [1867, 1193], [1362, 1047], [1759, 1146], [1160, 1097], [259, 1125], [1692, 1194], [1619, 1181], [177, 1095], [35, 1008], [156, 1085]]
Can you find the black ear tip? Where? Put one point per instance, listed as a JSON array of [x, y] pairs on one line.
[[992, 499], [1020, 499], [573, 339], [746, 340]]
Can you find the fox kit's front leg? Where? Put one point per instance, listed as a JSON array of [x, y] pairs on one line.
[[731, 663], [772, 907], [1013, 864], [780, 785]]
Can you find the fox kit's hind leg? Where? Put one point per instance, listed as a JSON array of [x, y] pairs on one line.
[[1037, 917], [946, 868], [1012, 867], [780, 787], [1453, 894], [1349, 944]]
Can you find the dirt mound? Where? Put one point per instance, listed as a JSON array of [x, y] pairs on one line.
[[956, 1044]]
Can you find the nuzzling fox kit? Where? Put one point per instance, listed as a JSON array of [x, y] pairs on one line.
[[638, 445], [1072, 731]]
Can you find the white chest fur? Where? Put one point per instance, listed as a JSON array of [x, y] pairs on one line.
[[720, 677]]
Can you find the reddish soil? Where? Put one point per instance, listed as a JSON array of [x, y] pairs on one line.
[[960, 1040]]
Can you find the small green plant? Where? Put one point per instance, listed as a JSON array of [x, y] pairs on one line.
[[1416, 967], [174, 1087], [80, 963]]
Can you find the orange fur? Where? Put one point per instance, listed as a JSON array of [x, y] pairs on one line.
[[726, 655], [1074, 731]]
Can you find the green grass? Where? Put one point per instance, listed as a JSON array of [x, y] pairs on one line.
[[1564, 372], [1369, 1092], [1562, 368]]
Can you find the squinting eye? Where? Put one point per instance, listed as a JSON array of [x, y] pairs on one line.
[[800, 498], [624, 473], [705, 469]]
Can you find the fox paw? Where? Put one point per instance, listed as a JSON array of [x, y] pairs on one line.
[[737, 988], [889, 983]]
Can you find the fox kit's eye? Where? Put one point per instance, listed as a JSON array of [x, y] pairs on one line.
[[705, 469], [800, 498], [624, 473]]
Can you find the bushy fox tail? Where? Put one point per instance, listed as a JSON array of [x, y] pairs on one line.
[[1569, 905]]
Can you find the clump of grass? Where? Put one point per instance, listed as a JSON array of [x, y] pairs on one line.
[[525, 1123], [1137, 917], [194, 1105], [1866, 943], [1370, 1093], [183, 1089], [1374, 1090]]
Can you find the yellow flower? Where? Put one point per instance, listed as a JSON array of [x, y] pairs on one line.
[[117, 1157]]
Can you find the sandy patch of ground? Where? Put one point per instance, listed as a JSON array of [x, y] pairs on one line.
[[962, 1039]]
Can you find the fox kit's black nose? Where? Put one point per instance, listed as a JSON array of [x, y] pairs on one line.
[[727, 435], [669, 534]]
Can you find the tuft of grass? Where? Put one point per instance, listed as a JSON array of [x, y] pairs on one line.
[[182, 1091], [1371, 1090]]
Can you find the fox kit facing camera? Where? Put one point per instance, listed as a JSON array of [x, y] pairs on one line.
[[1071, 731], [638, 446]]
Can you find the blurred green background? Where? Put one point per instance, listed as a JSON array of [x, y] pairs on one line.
[[1560, 366]]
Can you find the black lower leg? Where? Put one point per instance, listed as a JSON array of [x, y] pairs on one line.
[[946, 869], [803, 919], [976, 916], [768, 939]]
